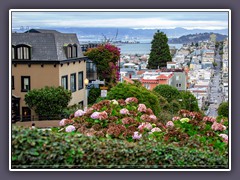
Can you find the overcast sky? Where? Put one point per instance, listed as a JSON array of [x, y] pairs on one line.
[[148, 20]]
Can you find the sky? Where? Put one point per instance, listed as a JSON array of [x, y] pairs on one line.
[[138, 19]]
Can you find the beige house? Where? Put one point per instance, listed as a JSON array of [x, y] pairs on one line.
[[45, 58]]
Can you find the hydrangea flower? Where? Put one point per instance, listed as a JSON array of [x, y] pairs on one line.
[[131, 99], [114, 102], [62, 122], [169, 124], [70, 128], [156, 129], [225, 137], [95, 115], [218, 127], [183, 120], [136, 135], [209, 119], [142, 108], [175, 118], [124, 111], [153, 117], [79, 113], [145, 125]]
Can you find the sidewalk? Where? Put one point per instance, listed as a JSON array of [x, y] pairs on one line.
[[39, 124]]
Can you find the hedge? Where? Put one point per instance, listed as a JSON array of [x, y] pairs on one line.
[[47, 149]]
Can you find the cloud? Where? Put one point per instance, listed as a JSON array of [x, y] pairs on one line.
[[137, 20]]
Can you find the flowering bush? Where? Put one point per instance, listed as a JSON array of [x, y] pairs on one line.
[[126, 119]]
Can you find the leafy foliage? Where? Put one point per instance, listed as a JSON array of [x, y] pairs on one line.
[[124, 90], [168, 92], [48, 101], [189, 101], [47, 149], [160, 53], [223, 109], [94, 93]]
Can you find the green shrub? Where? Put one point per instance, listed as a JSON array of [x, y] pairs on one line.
[[94, 94], [168, 92], [223, 109], [48, 101], [47, 149], [124, 90]]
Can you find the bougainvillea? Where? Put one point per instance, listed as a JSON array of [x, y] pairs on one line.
[[106, 57]]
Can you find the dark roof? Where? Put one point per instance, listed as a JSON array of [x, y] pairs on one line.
[[47, 45]]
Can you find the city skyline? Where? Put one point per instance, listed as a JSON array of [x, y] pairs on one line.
[[214, 20]]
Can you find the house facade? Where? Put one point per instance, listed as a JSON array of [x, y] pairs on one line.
[[45, 58]]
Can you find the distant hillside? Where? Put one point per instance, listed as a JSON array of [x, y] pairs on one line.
[[195, 38]]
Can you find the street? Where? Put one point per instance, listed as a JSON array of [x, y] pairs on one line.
[[216, 95]]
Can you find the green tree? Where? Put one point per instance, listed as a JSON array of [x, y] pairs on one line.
[[160, 53], [168, 92], [223, 109], [189, 101], [48, 101], [126, 90]]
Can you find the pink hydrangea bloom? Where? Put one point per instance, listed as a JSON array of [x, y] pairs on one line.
[[156, 129], [175, 118], [62, 122], [103, 115], [142, 108], [224, 136], [209, 119], [169, 124], [145, 125], [79, 113], [124, 111], [153, 117], [218, 127], [95, 115], [131, 99], [136, 135], [70, 128]]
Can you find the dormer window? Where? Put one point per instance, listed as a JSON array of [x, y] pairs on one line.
[[21, 51], [71, 51]]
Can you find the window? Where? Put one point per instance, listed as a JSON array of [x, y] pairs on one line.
[[147, 86], [13, 52], [69, 51], [25, 83], [177, 77], [64, 82], [80, 80], [72, 51], [13, 82], [91, 71], [21, 51], [178, 85], [73, 82]]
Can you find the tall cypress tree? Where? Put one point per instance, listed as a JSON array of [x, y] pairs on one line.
[[160, 53]]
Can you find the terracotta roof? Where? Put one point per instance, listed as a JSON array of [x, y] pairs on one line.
[[162, 77]]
